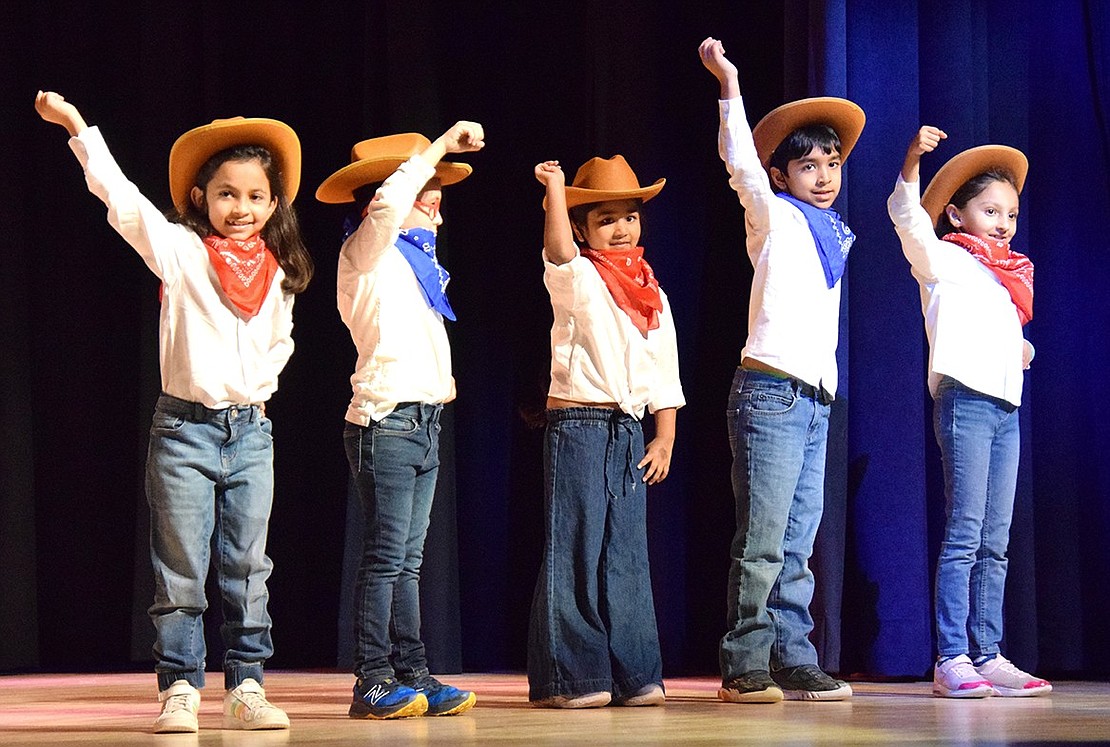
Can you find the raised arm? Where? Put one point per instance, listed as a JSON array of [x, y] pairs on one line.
[[925, 141], [712, 52], [558, 240], [53, 107], [462, 137]]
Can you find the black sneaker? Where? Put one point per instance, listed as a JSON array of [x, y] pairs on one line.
[[386, 698], [808, 682], [443, 700], [755, 686]]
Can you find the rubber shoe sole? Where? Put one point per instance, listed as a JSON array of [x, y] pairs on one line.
[[416, 707], [769, 695], [841, 693], [466, 705]]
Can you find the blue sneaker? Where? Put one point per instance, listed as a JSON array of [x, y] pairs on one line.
[[443, 700], [386, 698]]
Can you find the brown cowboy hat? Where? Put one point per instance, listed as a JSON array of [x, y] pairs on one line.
[[604, 179], [375, 159], [196, 146], [968, 165], [845, 117]]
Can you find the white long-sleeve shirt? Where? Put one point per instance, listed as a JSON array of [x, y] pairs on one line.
[[597, 353], [793, 316], [971, 321], [207, 352], [403, 351]]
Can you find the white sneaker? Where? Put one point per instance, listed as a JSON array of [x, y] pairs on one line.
[[1009, 681], [180, 703], [957, 678], [246, 707]]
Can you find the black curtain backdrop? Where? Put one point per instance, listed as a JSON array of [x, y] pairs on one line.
[[78, 309]]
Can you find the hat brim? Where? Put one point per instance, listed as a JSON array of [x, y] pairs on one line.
[[845, 117], [576, 196], [968, 165], [193, 149], [340, 187]]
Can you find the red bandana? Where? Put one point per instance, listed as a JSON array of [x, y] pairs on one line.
[[246, 270], [632, 284], [1014, 270]]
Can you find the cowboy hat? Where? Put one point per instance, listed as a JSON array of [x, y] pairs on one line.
[[193, 149], [844, 117], [968, 165], [604, 179], [375, 159]]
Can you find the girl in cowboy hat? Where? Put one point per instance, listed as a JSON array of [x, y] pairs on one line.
[[786, 173], [230, 259], [592, 636], [976, 294], [392, 295]]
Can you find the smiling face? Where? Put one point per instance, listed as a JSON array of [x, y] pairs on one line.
[[991, 215], [611, 226], [814, 178], [237, 199]]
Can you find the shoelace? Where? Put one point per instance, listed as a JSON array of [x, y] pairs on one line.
[[255, 701], [179, 702]]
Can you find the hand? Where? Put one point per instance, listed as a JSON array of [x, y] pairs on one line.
[[1027, 354], [925, 141], [657, 460], [53, 107], [712, 52], [464, 137], [550, 174]]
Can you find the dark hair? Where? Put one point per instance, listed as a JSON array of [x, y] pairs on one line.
[[803, 140], [579, 213], [282, 232], [968, 191]]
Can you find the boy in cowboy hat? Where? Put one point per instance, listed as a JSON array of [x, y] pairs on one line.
[[976, 294], [787, 174], [592, 636], [392, 297]]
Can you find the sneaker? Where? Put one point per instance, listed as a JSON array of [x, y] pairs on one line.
[[1009, 681], [443, 700], [246, 707], [809, 682], [650, 694], [386, 698], [957, 678], [589, 700], [755, 686], [180, 703]]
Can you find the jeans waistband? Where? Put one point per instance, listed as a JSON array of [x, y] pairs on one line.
[[559, 414], [195, 412], [815, 393], [419, 411]]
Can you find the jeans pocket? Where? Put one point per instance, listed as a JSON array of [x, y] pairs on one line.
[[394, 424], [770, 401], [164, 421]]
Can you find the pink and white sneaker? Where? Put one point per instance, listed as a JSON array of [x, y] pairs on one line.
[[957, 678], [1011, 682]]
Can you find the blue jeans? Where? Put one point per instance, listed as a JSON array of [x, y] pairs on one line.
[[980, 441], [394, 463], [778, 434], [210, 485], [592, 626]]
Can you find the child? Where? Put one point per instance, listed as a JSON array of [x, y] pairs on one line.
[[778, 409], [392, 297], [592, 636], [230, 261], [976, 293]]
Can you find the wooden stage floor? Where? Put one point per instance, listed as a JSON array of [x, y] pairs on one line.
[[118, 709]]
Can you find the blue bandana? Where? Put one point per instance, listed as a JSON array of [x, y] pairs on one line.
[[832, 236], [418, 246]]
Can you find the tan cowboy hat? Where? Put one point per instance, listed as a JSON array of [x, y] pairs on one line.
[[845, 117], [196, 146], [968, 165], [604, 179], [375, 159]]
